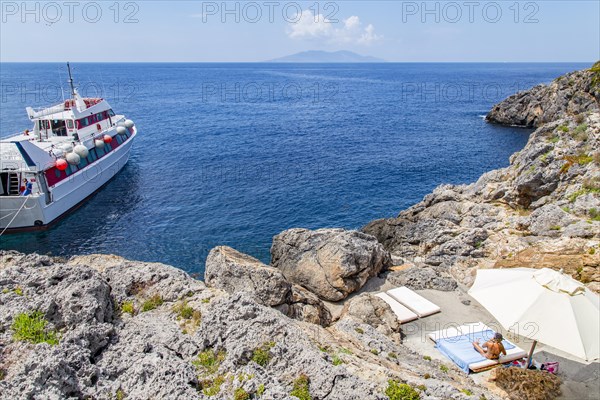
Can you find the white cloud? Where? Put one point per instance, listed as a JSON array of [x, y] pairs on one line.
[[311, 26]]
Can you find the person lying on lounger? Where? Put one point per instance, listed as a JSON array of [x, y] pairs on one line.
[[492, 348]]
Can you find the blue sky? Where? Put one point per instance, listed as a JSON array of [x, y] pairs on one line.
[[207, 31]]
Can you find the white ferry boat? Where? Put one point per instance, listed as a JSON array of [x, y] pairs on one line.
[[73, 149]]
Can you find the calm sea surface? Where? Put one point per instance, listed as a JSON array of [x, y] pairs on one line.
[[232, 154]]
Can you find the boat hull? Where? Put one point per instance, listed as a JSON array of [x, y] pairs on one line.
[[33, 213]]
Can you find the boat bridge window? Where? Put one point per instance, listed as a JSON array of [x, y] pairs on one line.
[[93, 119], [59, 127]]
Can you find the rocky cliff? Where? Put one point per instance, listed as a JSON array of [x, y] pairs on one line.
[[102, 327], [541, 211]]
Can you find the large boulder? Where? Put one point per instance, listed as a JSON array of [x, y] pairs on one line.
[[373, 311], [235, 272], [304, 305], [332, 263]]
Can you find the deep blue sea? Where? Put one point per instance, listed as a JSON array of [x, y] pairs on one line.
[[232, 154]]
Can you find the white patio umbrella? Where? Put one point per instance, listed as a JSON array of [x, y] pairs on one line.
[[544, 305]]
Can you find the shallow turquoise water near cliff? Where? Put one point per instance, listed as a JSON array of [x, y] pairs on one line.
[[235, 153]]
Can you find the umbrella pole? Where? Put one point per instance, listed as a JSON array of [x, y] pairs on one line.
[[530, 356]]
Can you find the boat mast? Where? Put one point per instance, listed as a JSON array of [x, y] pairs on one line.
[[71, 80]]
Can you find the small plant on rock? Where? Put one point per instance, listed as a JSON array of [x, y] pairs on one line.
[[401, 391], [18, 291], [153, 302], [262, 355], [359, 330], [375, 351], [426, 358], [31, 327], [183, 311], [444, 369], [336, 360], [301, 388], [127, 307], [212, 387], [120, 395], [241, 394], [209, 361], [260, 390], [467, 392]]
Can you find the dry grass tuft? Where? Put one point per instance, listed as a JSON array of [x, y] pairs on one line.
[[524, 384]]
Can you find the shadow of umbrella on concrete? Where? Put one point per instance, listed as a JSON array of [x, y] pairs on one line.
[[563, 313]]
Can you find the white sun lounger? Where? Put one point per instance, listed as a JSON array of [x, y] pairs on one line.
[[403, 313], [515, 353], [454, 331], [413, 301]]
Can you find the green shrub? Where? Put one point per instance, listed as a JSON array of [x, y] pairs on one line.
[[262, 355], [563, 128], [401, 391], [209, 361], [392, 355], [359, 330], [580, 129], [594, 214], [583, 159], [336, 360], [183, 311], [375, 351], [443, 368], [127, 307], [344, 350], [240, 394], [585, 190], [260, 390], [554, 139], [555, 228], [426, 358], [301, 388], [120, 395], [467, 392], [545, 156], [31, 327], [18, 291], [153, 302], [212, 387]]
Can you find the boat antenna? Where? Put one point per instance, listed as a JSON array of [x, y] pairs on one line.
[[71, 80], [62, 90]]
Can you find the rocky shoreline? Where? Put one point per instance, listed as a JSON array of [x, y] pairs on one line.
[[103, 327]]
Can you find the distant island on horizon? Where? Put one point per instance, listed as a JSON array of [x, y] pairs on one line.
[[319, 56]]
